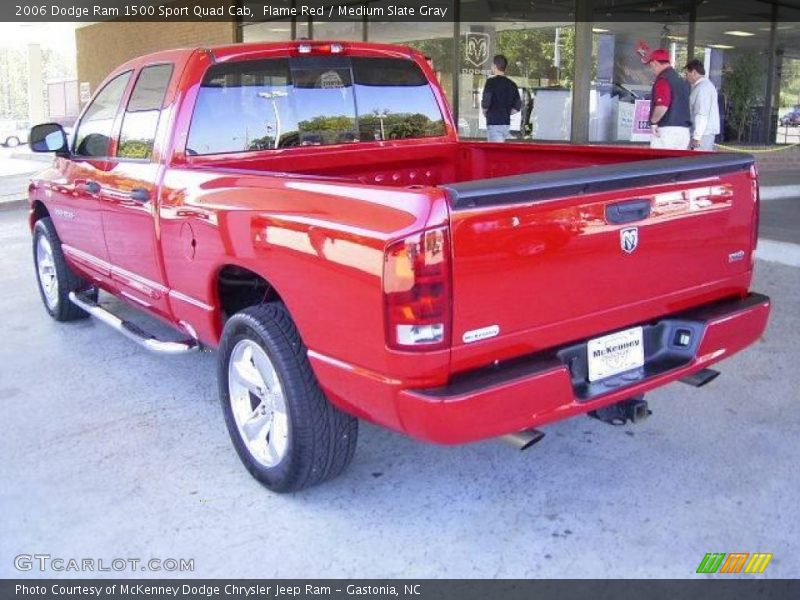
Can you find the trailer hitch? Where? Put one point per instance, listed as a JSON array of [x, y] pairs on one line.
[[633, 409]]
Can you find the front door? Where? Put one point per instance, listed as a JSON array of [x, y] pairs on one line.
[[77, 207]]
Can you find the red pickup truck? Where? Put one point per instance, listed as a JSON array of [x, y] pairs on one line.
[[308, 209]]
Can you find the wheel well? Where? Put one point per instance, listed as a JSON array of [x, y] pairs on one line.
[[39, 212], [239, 288]]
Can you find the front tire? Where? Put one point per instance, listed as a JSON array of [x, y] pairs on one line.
[[285, 431], [54, 276]]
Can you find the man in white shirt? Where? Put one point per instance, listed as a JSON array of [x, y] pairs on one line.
[[704, 107]]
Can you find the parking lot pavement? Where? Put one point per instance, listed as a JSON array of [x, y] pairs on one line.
[[111, 452], [780, 220]]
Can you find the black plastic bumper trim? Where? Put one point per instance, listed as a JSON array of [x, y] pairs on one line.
[[658, 335]]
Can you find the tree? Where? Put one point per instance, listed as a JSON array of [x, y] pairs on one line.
[[744, 86]]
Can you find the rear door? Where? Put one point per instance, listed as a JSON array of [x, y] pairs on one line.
[[129, 192], [537, 266]]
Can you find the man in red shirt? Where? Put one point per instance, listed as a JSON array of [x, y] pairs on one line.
[[670, 115]]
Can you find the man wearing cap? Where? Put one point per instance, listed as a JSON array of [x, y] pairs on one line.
[[670, 115]]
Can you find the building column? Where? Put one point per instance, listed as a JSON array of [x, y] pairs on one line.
[[36, 111], [692, 37], [582, 86], [769, 98], [454, 104]]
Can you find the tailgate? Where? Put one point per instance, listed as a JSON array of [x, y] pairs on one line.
[[542, 260]]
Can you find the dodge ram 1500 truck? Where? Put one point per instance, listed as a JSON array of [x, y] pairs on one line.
[[308, 209]]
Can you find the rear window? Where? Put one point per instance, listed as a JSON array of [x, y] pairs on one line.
[[311, 101]]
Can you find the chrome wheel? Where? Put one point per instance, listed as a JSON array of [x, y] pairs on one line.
[[46, 268], [258, 403]]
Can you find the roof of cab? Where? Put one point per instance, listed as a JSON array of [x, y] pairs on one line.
[[251, 50]]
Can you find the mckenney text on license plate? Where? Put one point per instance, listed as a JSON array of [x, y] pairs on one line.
[[615, 353]]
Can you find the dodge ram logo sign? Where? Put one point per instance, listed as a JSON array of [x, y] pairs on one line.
[[629, 239], [477, 50]]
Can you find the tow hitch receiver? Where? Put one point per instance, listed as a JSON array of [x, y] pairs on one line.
[[633, 409]]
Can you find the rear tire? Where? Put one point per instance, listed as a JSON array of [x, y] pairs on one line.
[[54, 276], [285, 431]]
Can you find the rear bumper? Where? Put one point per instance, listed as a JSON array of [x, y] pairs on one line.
[[549, 386]]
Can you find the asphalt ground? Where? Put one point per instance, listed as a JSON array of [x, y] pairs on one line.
[[111, 452]]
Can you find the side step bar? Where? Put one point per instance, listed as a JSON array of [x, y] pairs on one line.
[[132, 331]]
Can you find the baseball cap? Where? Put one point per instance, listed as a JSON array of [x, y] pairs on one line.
[[658, 54]]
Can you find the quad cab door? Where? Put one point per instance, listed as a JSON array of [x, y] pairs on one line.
[[75, 203], [129, 193]]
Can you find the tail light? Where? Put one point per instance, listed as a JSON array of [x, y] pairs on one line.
[[416, 291], [311, 48], [753, 174]]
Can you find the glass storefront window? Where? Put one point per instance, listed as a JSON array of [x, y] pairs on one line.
[[435, 40], [269, 31], [541, 63], [735, 55], [347, 30], [620, 82]]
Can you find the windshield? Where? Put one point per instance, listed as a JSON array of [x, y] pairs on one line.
[[311, 101]]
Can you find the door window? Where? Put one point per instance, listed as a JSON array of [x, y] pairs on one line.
[[140, 122], [93, 137]]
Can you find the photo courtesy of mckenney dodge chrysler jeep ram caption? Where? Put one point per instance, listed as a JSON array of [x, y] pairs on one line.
[[307, 209]]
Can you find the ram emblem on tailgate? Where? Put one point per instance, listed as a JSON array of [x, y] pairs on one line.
[[629, 239]]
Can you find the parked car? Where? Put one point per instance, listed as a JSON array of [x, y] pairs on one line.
[[790, 119], [308, 210], [13, 133]]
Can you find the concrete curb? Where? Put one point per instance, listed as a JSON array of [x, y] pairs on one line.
[[13, 204], [33, 156], [784, 253], [780, 192]]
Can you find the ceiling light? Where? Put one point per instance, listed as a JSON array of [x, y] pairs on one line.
[[598, 30], [739, 33], [721, 46]]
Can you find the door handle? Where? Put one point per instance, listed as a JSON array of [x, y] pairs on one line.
[[140, 195], [90, 186], [627, 212]]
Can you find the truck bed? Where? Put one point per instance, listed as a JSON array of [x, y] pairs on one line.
[[432, 163], [537, 232]]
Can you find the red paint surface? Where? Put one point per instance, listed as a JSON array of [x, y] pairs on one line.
[[315, 221]]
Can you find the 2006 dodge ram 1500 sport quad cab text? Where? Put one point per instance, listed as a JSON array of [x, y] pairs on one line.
[[308, 209]]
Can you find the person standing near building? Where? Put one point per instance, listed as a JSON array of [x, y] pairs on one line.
[[704, 107], [500, 101], [670, 115]]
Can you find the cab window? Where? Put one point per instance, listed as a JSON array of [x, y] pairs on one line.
[[268, 104], [93, 137], [140, 122]]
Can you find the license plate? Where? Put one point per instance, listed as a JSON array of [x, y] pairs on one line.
[[615, 353]]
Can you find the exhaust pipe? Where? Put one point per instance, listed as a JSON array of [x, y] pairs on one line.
[[522, 440], [700, 378]]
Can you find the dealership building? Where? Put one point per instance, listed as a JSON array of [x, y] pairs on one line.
[[574, 60]]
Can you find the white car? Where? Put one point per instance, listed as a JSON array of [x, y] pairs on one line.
[[13, 133]]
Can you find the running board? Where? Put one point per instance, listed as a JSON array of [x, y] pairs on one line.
[[131, 330]]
